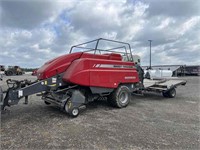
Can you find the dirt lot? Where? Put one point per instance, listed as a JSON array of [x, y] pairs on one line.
[[149, 122]]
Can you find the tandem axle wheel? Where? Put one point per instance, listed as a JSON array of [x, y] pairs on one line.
[[170, 94]]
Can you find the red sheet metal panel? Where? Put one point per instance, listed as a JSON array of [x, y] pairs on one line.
[[100, 73]]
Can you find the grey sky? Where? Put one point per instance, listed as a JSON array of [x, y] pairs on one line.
[[34, 31]]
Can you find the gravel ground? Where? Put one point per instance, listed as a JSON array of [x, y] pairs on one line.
[[149, 122]]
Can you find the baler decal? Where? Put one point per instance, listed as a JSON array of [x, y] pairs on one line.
[[111, 66], [54, 80], [20, 93], [128, 78]]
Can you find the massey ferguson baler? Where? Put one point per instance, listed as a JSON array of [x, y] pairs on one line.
[[97, 70]]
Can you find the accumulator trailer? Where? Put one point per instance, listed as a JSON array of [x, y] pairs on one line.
[[72, 80]]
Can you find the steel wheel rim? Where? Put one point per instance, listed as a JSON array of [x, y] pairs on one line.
[[75, 111], [123, 97]]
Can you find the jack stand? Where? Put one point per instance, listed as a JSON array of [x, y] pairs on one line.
[[26, 100]]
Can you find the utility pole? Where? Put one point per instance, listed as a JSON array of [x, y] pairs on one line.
[[150, 54]]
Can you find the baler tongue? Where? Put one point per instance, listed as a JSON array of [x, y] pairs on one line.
[[12, 86], [3, 101], [1, 97]]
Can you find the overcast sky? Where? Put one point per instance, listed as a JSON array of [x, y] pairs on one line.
[[34, 31]]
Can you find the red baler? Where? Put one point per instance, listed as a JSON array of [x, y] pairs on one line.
[[72, 80]]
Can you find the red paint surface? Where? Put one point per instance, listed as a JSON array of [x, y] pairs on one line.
[[90, 70], [56, 66], [84, 72]]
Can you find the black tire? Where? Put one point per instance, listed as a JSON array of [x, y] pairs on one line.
[[120, 97], [109, 101], [47, 103], [170, 94], [19, 73], [165, 94], [72, 111], [9, 73]]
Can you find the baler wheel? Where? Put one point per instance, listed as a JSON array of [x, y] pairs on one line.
[[71, 110], [74, 112], [120, 97]]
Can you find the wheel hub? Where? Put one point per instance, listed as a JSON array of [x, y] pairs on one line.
[[123, 97], [75, 112]]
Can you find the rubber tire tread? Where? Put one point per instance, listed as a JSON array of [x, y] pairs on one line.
[[9, 73], [114, 100], [71, 114], [170, 93], [19, 73], [165, 94]]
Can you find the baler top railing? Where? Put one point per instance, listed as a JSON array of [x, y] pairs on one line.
[[96, 48]]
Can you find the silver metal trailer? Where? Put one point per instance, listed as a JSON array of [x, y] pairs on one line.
[[165, 86]]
